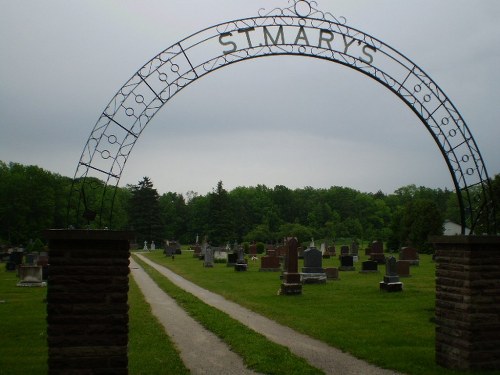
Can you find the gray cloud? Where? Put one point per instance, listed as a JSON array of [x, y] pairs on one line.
[[281, 120]]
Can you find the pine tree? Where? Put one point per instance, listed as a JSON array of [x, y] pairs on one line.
[[144, 213]]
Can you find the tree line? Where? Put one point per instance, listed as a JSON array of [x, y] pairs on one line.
[[33, 199]]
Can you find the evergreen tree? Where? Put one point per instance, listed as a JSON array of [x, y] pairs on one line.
[[221, 227], [144, 213]]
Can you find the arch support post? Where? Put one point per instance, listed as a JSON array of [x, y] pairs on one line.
[[87, 301], [468, 302]]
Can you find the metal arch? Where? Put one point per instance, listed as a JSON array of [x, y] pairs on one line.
[[300, 30]]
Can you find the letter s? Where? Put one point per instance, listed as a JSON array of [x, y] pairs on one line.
[[227, 43], [366, 47]]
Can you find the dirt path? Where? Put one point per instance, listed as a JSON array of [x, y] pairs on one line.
[[320, 355]]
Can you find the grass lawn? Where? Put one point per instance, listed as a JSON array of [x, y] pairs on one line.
[[23, 335], [392, 330]]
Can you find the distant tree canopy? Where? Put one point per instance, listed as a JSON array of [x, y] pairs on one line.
[[32, 199]]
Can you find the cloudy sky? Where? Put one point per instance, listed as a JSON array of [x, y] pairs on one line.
[[281, 120]]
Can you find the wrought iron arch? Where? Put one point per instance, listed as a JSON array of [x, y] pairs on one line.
[[301, 30]]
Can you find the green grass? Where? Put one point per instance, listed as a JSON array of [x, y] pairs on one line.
[[391, 330], [23, 328], [23, 333], [257, 352], [150, 349]]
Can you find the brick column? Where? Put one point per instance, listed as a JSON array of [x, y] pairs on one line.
[[87, 301], [468, 302]]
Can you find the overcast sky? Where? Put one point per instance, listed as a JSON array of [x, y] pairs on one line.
[[281, 120]]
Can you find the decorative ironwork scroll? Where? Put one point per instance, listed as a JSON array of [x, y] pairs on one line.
[[299, 30]]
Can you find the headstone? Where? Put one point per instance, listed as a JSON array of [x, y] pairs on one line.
[[270, 262], [347, 263], [252, 249], [377, 253], [403, 268], [291, 284], [30, 275], [410, 255], [208, 260], [391, 281], [145, 248], [332, 273], [344, 250], [369, 266], [197, 251], [241, 263], [153, 246], [231, 259], [313, 272], [355, 248], [31, 259], [220, 254], [332, 250]]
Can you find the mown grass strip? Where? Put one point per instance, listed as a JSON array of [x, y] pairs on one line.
[[258, 353], [150, 350]]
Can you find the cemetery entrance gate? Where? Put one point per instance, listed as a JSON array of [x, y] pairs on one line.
[[303, 30], [297, 30]]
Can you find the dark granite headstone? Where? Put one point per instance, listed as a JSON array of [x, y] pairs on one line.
[[291, 284], [391, 281], [410, 255], [347, 263], [403, 268], [377, 253], [355, 248], [369, 266], [231, 259], [332, 273], [241, 264], [313, 261]]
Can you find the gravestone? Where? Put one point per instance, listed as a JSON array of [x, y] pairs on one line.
[[377, 252], [31, 259], [220, 254], [391, 281], [252, 250], [153, 246], [30, 275], [332, 273], [197, 251], [332, 250], [369, 266], [313, 272], [347, 263], [344, 250], [355, 248], [403, 268], [43, 261], [208, 260], [410, 255], [291, 284], [270, 262], [231, 259], [241, 263]]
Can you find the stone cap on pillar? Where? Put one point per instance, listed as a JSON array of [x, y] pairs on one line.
[[79, 234]]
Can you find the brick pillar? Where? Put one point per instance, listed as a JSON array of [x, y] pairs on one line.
[[87, 301], [468, 302]]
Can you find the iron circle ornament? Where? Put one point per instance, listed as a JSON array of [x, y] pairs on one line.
[[303, 8], [300, 29]]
